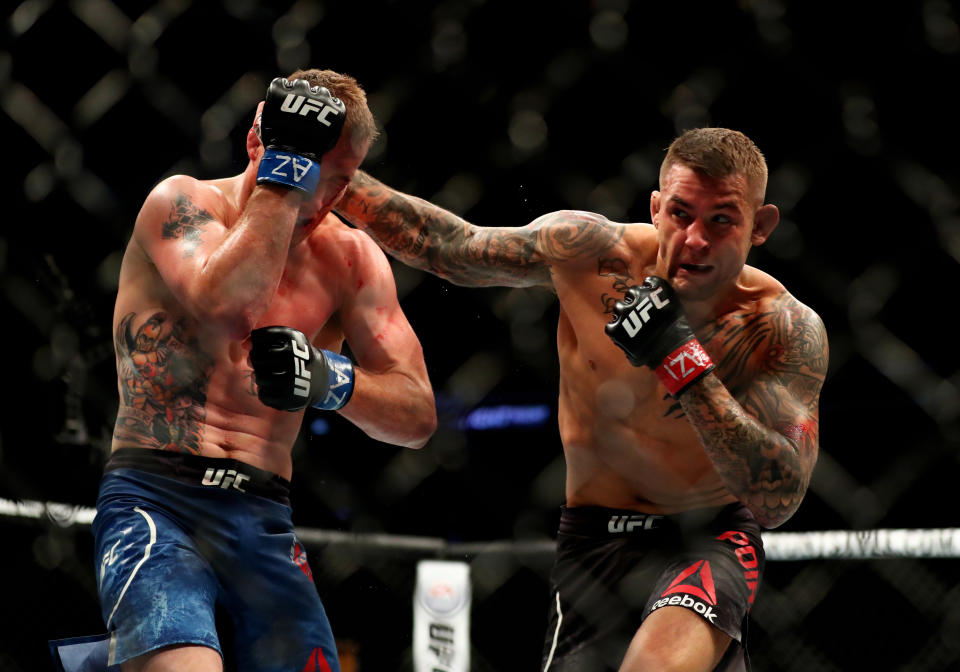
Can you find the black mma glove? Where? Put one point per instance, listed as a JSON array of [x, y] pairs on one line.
[[650, 326], [298, 125], [291, 374]]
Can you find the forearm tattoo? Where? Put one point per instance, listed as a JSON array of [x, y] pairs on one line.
[[761, 429], [186, 223], [163, 384], [431, 239]]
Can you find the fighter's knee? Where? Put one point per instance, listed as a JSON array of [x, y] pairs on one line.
[[658, 660], [176, 658], [675, 639]]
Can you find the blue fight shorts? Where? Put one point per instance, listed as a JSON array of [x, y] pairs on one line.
[[178, 537]]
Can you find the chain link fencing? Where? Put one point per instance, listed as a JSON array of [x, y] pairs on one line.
[[490, 113]]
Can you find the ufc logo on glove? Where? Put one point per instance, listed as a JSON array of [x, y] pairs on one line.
[[640, 315], [668, 345], [301, 380], [294, 105]]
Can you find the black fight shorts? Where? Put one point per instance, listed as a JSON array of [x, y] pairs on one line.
[[614, 568]]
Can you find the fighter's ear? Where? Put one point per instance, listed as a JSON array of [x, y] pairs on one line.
[[764, 222], [253, 135], [654, 206]]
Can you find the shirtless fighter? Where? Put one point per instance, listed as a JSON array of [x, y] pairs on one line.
[[193, 510], [678, 452]]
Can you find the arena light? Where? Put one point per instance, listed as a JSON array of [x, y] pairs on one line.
[[507, 415]]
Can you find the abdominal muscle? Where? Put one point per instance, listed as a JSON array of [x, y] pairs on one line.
[[226, 421], [627, 447]]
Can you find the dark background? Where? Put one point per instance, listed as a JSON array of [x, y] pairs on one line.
[[503, 111]]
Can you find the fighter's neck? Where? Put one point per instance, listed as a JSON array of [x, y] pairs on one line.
[[723, 302]]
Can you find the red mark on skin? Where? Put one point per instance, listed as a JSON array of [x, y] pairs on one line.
[[381, 336], [794, 432], [359, 283]]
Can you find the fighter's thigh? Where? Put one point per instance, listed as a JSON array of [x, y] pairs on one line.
[[155, 589], [675, 639], [280, 622], [176, 659]]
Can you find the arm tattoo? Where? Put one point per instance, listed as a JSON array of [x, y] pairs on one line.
[[186, 223], [762, 434], [430, 238], [163, 384]]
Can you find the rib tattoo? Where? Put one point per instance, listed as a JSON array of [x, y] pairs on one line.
[[163, 383]]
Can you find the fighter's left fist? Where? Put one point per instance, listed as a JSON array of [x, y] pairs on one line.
[[649, 325], [291, 374]]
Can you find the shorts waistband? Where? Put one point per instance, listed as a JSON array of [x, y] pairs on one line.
[[599, 520], [214, 472], [602, 521]]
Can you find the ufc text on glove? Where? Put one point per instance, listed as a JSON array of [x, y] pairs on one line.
[[291, 374], [649, 325], [298, 125]]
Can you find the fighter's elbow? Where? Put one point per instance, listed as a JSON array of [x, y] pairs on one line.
[[424, 424], [772, 511]]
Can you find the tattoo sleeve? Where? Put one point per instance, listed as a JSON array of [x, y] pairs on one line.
[[432, 239], [764, 441]]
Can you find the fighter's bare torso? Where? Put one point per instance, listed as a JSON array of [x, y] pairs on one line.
[[626, 441], [184, 385]]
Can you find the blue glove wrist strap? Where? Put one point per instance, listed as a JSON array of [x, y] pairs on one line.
[[340, 382], [290, 170]]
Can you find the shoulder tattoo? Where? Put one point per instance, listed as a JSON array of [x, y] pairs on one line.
[[186, 222]]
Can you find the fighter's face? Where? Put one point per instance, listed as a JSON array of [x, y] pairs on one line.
[[336, 168], [704, 227]]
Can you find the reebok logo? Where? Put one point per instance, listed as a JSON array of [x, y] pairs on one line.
[[301, 380], [640, 314], [686, 584], [225, 478], [294, 104]]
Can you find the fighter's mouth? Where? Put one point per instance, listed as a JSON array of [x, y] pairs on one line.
[[696, 268]]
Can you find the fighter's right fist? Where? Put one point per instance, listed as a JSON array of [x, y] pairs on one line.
[[298, 124], [291, 374]]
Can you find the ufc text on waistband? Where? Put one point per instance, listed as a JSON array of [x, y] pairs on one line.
[[634, 522]]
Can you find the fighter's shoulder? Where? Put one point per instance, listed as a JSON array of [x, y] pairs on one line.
[[342, 244], [776, 299], [180, 195]]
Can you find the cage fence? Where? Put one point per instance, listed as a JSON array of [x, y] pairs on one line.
[[102, 99]]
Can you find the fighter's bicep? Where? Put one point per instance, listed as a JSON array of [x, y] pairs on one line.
[[785, 395], [376, 329]]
